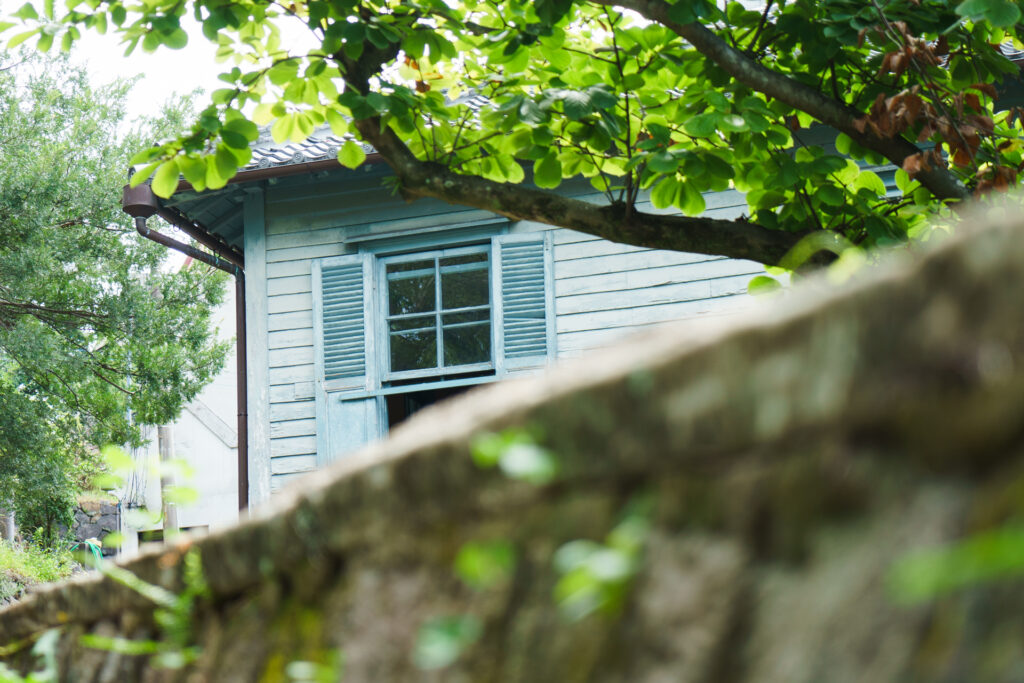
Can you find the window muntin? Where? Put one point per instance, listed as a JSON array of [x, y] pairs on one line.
[[438, 312]]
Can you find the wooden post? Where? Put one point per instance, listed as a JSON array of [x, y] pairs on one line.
[[165, 440]]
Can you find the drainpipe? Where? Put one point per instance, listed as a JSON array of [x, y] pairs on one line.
[[140, 203]]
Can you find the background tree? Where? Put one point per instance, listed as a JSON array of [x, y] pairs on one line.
[[98, 333], [671, 97]]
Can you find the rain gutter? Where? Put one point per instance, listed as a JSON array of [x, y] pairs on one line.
[[140, 203]]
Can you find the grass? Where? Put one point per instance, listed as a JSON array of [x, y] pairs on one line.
[[22, 567]]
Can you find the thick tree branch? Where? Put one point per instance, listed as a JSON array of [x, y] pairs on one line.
[[735, 239], [939, 181]]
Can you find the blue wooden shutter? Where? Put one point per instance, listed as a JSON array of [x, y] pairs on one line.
[[526, 328], [344, 320], [343, 306]]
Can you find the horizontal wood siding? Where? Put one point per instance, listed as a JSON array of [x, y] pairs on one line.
[[604, 291], [290, 338]]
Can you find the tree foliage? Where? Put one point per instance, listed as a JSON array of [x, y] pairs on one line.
[[97, 333], [674, 99]]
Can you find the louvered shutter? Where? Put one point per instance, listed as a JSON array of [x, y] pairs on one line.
[[344, 315], [525, 338], [343, 328], [343, 331]]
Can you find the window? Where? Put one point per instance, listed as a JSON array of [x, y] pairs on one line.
[[395, 331], [437, 312]]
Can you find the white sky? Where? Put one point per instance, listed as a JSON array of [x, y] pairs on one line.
[[165, 72]]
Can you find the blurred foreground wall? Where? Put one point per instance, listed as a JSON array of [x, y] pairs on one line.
[[787, 462]]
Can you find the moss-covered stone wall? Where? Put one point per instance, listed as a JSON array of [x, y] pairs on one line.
[[787, 463]]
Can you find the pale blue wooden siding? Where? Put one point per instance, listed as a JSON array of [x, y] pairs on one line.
[[307, 220], [601, 290], [604, 290]]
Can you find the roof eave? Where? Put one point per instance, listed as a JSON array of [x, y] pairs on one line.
[[283, 170]]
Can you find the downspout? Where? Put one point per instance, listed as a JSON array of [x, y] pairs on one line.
[[140, 203]]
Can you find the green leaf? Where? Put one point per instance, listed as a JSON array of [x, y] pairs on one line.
[[689, 200], [233, 139], [547, 172], [226, 163], [165, 180], [26, 12], [194, 170], [843, 142], [351, 154], [733, 123], [283, 72], [996, 12], [551, 11], [214, 179], [180, 495], [117, 460], [282, 128], [718, 167], [45, 42], [338, 123], [577, 104], [143, 173], [662, 162], [484, 564], [21, 38], [244, 127], [831, 195], [665, 192], [441, 641], [986, 556], [869, 180], [529, 462], [702, 126], [763, 284], [683, 12], [176, 39], [530, 112]]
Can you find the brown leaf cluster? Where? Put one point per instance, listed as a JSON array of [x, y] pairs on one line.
[[961, 126], [913, 49], [998, 178]]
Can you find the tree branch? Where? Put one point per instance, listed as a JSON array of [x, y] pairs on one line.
[[840, 116], [732, 238], [735, 239]]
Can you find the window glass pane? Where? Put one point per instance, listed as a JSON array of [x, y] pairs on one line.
[[411, 287], [415, 322], [464, 281], [467, 343], [481, 315], [478, 260], [397, 270], [413, 350]]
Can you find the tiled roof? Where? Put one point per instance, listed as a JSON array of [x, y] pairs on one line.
[[319, 146]]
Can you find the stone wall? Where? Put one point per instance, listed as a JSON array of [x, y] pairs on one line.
[[95, 518], [788, 461]]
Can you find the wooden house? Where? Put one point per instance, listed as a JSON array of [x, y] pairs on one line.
[[361, 308]]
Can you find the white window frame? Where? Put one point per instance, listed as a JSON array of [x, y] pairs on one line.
[[381, 316], [367, 394]]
